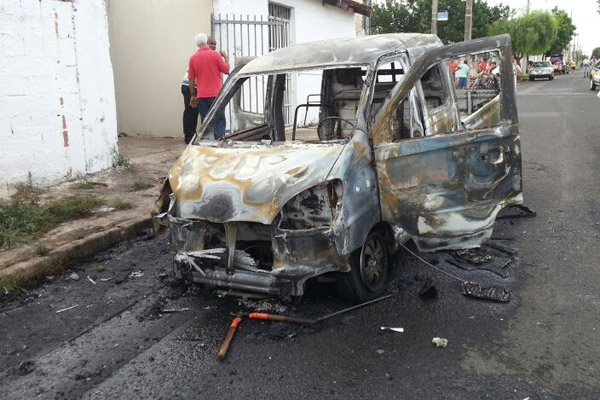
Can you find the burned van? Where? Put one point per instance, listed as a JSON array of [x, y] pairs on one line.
[[384, 152]]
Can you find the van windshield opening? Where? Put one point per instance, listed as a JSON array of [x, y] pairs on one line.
[[317, 105]]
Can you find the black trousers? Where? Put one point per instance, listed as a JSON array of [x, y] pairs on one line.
[[190, 115]]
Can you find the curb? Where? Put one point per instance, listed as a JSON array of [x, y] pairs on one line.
[[60, 258]]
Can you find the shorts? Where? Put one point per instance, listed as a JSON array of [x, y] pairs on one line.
[[462, 82]]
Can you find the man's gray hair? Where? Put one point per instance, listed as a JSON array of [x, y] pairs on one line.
[[201, 39]]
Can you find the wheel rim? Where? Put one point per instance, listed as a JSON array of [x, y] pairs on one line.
[[373, 263]]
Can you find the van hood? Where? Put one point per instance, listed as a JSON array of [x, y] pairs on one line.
[[243, 181]]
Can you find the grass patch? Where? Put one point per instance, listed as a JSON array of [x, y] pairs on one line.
[[85, 184], [139, 185], [23, 220], [119, 161], [120, 204], [41, 250], [73, 207], [27, 191]]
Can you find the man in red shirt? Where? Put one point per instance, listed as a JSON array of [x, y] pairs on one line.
[[206, 67]]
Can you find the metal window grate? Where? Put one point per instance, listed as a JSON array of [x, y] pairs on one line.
[[246, 35]]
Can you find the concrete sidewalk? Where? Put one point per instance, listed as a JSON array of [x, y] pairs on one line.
[[145, 160]]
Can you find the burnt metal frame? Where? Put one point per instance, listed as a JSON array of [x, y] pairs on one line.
[[435, 55]]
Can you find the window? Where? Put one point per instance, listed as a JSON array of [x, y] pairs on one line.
[[243, 111], [434, 90]]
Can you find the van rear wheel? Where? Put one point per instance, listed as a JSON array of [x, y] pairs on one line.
[[367, 278]]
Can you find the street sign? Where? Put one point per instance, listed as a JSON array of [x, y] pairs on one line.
[[442, 16]]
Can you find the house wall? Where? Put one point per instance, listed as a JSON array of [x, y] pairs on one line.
[[57, 110], [311, 21], [151, 43]]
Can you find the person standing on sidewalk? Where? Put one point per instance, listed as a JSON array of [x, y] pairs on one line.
[[205, 68], [190, 114]]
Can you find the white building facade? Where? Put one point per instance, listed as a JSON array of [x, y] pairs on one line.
[[57, 102]]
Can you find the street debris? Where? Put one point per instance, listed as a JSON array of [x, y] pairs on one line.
[[472, 256], [136, 274], [380, 351], [91, 280], [493, 293], [25, 367], [472, 289], [74, 277], [439, 342], [105, 279], [175, 310], [67, 309], [263, 306], [282, 318], [428, 290], [388, 328], [345, 310], [522, 212]]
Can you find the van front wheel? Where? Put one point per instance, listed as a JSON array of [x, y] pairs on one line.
[[369, 271]]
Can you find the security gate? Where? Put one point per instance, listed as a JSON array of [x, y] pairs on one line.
[[252, 36]]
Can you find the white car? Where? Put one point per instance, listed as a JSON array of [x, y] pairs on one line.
[[595, 76], [541, 69]]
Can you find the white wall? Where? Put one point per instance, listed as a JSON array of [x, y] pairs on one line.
[[311, 21], [151, 44], [57, 107]]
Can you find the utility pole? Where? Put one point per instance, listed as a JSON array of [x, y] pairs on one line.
[[434, 11], [529, 6], [468, 20]]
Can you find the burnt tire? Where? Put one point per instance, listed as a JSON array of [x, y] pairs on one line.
[[368, 275]]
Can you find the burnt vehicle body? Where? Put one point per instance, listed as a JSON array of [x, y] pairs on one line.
[[392, 158]]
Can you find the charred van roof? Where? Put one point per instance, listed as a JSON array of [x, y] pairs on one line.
[[338, 52]]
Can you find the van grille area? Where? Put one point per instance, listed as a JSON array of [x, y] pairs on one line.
[[251, 256]]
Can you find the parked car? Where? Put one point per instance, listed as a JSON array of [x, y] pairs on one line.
[[392, 158], [541, 69], [595, 76]]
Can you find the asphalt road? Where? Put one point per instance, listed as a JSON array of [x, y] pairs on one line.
[[122, 341]]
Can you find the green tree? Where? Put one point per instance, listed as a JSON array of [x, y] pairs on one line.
[[415, 16], [565, 31], [596, 51], [531, 33], [395, 16]]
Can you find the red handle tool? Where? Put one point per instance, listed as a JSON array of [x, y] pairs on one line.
[[228, 338], [281, 318]]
